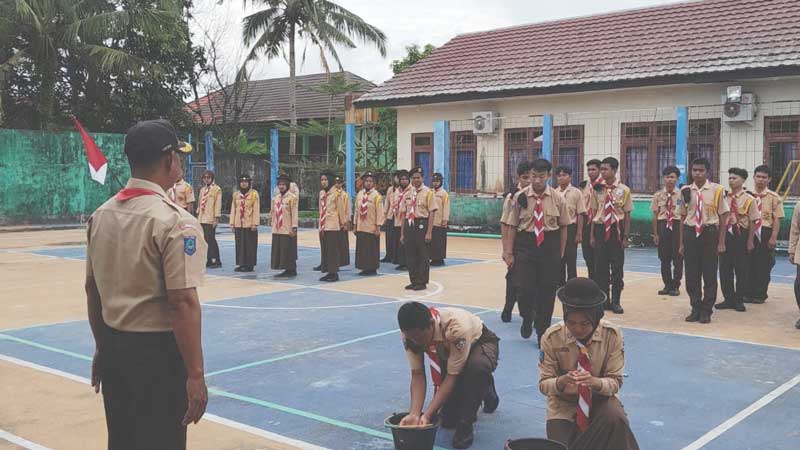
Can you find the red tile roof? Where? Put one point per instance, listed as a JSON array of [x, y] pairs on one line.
[[268, 101], [700, 41]]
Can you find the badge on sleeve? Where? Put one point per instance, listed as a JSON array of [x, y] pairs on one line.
[[189, 245], [461, 343]]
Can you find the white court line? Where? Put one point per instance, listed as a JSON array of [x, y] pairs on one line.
[[743, 414], [210, 417], [303, 308], [22, 442]]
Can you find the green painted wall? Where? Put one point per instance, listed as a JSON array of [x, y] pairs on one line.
[[44, 177]]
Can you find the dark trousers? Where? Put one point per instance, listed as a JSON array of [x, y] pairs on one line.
[[390, 244], [246, 247], [210, 234], [763, 260], [417, 251], [329, 251], [368, 251], [475, 380], [438, 244], [511, 290], [608, 429], [586, 247], [671, 260], [734, 267], [144, 391], [797, 287], [609, 261], [344, 248], [399, 248], [536, 277], [568, 270], [701, 259]]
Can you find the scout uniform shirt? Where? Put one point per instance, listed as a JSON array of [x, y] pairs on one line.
[[663, 198], [348, 206], [714, 204], [210, 207], [334, 212], [622, 202], [423, 199], [245, 209], [553, 205], [457, 332], [588, 195], [745, 211], [369, 214], [181, 193], [507, 205], [388, 204], [443, 200], [397, 209], [794, 237], [771, 207], [576, 203], [287, 205], [137, 249], [559, 355]]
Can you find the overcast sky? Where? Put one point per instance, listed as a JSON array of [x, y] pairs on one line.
[[405, 22]]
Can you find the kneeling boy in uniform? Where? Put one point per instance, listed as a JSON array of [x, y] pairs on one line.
[[581, 365], [462, 353]]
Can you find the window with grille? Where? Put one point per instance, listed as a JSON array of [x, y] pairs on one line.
[[782, 139], [422, 154], [463, 157], [521, 144], [649, 147], [568, 151]]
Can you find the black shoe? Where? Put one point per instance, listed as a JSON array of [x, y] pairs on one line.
[[437, 263], [386, 260], [367, 273], [286, 274], [491, 401], [727, 304], [797, 324], [705, 317], [318, 268], [330, 277], [505, 316], [401, 268], [238, 269], [664, 291], [747, 300], [693, 317], [758, 300], [739, 307], [246, 269], [463, 436], [216, 265], [419, 287], [674, 292], [526, 330], [616, 308], [410, 286]]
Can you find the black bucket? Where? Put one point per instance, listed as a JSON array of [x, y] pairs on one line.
[[534, 444], [411, 438]]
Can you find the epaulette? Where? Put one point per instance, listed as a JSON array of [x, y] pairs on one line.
[[553, 329]]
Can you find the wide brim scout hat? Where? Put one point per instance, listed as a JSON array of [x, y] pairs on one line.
[[366, 175], [148, 140], [581, 293]]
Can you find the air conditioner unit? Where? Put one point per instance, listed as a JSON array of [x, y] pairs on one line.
[[739, 106], [484, 122]]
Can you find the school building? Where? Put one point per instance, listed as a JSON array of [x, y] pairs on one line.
[[652, 87]]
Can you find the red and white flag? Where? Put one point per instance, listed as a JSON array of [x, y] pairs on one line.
[[98, 164]]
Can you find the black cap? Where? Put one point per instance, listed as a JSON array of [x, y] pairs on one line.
[[148, 140], [415, 170], [581, 293], [284, 177], [368, 175], [437, 176], [403, 173], [245, 177]]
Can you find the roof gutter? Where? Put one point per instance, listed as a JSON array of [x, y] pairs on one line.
[[694, 78]]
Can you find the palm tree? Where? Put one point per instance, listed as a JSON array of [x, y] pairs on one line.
[[46, 32], [323, 23]]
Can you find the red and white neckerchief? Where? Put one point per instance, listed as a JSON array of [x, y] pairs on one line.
[[759, 224], [433, 354], [279, 210], [242, 197], [670, 210], [733, 217], [584, 393], [609, 216], [362, 209], [410, 215], [698, 213], [323, 209], [204, 198], [129, 193], [538, 217], [399, 195]]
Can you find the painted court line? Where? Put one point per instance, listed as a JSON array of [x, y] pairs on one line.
[[743, 414], [300, 308], [24, 443], [210, 417]]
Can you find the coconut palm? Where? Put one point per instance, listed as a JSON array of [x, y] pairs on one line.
[[47, 32], [323, 23]]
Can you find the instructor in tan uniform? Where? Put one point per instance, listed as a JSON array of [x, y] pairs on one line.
[[145, 259]]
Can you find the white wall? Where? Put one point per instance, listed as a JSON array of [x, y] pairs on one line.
[[601, 114]]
